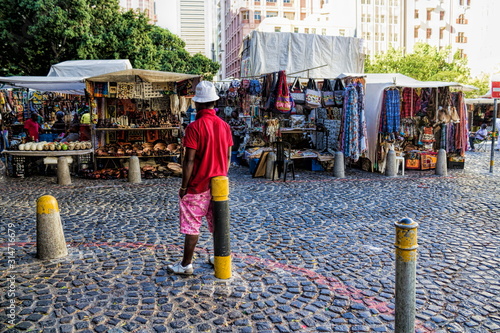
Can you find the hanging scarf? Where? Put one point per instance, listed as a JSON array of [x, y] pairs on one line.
[[351, 124], [363, 134], [391, 118]]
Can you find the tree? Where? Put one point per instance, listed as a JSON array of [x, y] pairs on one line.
[[38, 33], [426, 63]]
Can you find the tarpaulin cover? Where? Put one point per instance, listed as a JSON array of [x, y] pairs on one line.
[[88, 68], [267, 52]]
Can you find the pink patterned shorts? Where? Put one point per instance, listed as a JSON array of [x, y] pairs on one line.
[[192, 207]]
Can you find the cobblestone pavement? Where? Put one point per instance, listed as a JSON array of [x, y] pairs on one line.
[[311, 255]]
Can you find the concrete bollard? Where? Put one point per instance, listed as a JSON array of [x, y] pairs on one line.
[[338, 165], [134, 170], [222, 246], [406, 263], [390, 164], [441, 163], [63, 176], [50, 241], [270, 167]]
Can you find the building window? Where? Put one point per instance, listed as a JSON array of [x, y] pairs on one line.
[[377, 37], [245, 15], [313, 30], [382, 18], [461, 19], [296, 30], [382, 36], [395, 19], [461, 53], [395, 37], [441, 15], [396, 3], [415, 32], [277, 29], [441, 33], [461, 2], [368, 18], [290, 16], [416, 13], [461, 38], [368, 36], [287, 1], [341, 32], [363, 17], [306, 30], [429, 33], [429, 14], [323, 31], [256, 15], [270, 0], [272, 14]]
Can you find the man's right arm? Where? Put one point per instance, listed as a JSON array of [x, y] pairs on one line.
[[187, 170]]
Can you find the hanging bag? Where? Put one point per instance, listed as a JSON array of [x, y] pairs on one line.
[[327, 93], [299, 97], [338, 93], [313, 95], [283, 103]]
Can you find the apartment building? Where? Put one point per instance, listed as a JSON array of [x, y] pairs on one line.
[[146, 6], [196, 26]]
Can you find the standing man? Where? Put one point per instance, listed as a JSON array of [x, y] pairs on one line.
[[208, 144], [32, 127]]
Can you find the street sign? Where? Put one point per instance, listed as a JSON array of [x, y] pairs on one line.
[[495, 86]]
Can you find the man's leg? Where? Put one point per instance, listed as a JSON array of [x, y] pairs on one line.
[[190, 242]]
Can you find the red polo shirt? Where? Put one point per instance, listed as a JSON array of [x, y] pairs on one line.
[[211, 137]]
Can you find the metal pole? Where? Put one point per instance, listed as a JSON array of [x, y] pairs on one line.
[[406, 255], [222, 247], [492, 161]]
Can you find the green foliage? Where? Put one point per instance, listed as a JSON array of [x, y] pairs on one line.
[[426, 63], [38, 33]]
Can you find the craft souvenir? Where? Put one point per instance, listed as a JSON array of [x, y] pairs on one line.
[[313, 95], [327, 93], [283, 101], [338, 92], [299, 97]]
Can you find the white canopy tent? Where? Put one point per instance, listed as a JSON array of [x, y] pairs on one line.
[[88, 68], [375, 86], [67, 77], [68, 85]]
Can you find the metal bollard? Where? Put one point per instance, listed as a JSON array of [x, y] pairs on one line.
[[222, 248], [50, 241], [406, 263]]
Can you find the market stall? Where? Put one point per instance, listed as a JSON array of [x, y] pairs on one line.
[[138, 113], [414, 118]]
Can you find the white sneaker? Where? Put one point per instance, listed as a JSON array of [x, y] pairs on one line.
[[179, 269], [211, 260]]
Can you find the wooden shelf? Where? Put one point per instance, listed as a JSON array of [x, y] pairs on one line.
[[136, 129]]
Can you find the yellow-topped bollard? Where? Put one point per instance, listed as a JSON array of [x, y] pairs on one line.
[[406, 263], [50, 241], [222, 249]]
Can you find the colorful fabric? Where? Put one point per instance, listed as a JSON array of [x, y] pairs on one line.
[[351, 124], [410, 103], [33, 128], [192, 207], [211, 137], [391, 111], [363, 133]]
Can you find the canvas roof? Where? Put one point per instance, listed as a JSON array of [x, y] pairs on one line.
[[68, 85], [88, 68], [130, 75]]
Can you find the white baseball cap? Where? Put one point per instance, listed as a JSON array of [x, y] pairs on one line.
[[205, 92]]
